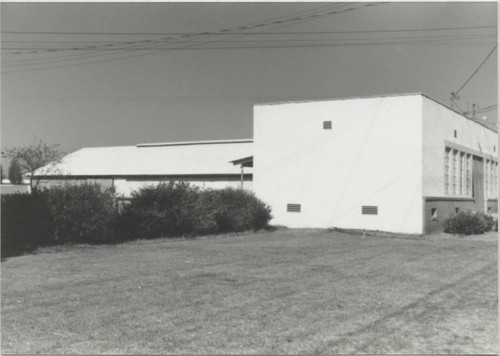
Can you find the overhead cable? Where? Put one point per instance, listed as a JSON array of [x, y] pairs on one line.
[[455, 94]]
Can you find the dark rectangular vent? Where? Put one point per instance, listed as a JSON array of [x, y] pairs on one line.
[[293, 208], [327, 125], [369, 210]]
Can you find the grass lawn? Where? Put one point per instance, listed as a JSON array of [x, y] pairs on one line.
[[287, 291]]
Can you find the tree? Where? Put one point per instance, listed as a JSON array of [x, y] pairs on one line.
[[15, 174], [37, 160]]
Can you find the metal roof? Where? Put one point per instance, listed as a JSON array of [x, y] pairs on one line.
[[245, 161], [187, 143], [191, 158]]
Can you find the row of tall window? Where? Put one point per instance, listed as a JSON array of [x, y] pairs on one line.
[[490, 177], [458, 174]]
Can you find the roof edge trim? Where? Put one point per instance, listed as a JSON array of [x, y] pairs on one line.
[[337, 99], [189, 143]]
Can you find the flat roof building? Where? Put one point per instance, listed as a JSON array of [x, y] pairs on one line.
[[396, 163]]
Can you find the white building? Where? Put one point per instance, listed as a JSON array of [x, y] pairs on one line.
[[396, 163], [207, 164]]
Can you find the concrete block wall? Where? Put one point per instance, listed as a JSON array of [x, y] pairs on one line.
[[446, 207]]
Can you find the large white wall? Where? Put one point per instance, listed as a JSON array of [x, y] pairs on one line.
[[371, 156], [439, 124]]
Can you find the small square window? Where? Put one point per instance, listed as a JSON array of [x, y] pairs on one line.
[[434, 214], [327, 125]]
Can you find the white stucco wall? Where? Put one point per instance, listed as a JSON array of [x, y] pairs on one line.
[[371, 156], [125, 187], [439, 124], [14, 188]]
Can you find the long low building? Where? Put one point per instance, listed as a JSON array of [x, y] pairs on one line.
[[207, 164]]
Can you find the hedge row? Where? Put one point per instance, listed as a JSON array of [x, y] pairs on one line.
[[90, 214]]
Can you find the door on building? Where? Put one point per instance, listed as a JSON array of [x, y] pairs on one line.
[[478, 183]]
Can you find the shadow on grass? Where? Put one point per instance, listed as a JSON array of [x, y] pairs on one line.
[[9, 252]]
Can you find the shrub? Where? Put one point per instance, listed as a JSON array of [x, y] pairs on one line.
[[468, 223], [179, 209], [228, 210], [27, 223], [89, 214], [163, 210], [82, 213]]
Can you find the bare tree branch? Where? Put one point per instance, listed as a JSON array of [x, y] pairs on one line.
[[36, 160]]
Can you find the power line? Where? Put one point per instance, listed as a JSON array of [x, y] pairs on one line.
[[282, 44], [233, 47], [487, 109], [294, 21], [271, 46], [227, 32], [183, 37], [455, 94], [454, 102], [275, 33], [489, 106], [212, 48], [93, 49], [79, 56], [200, 35], [400, 39]]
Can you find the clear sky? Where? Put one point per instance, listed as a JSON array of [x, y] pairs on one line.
[[196, 88]]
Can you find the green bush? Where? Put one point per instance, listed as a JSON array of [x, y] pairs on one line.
[[468, 223], [163, 210], [179, 209], [89, 214], [65, 214], [82, 213], [27, 223], [229, 210]]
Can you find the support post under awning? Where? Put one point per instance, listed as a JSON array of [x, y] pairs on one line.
[[242, 172]]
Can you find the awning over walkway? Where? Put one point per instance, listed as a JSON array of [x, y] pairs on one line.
[[244, 162]]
